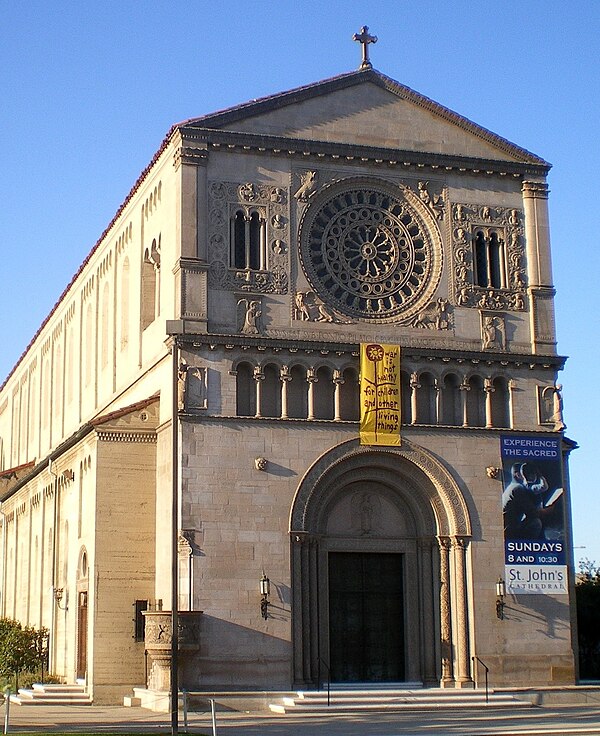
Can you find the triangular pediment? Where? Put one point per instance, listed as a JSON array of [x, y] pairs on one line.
[[367, 109]]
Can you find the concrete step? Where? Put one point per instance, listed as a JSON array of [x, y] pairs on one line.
[[51, 694], [356, 701]]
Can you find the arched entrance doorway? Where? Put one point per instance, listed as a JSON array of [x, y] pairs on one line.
[[379, 560]]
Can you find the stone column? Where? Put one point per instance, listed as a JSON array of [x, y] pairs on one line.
[[539, 266], [414, 387], [445, 613], [338, 382], [464, 388], [305, 619], [259, 377], [311, 378], [285, 378], [489, 389], [438, 400], [427, 576], [463, 660]]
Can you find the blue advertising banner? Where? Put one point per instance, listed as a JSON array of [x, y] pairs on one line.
[[533, 513]]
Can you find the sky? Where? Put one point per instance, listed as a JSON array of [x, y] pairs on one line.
[[89, 91]]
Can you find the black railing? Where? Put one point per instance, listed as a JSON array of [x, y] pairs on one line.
[[322, 662], [487, 669]]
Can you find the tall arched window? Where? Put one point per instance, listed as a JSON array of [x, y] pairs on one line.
[[451, 401], [350, 396], [270, 397], [245, 390], [124, 304], [426, 410], [88, 342], [248, 241], [489, 258], [150, 294], [298, 393], [405, 403], [500, 403], [105, 321], [323, 395], [475, 402]]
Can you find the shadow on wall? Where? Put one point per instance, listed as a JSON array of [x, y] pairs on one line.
[[234, 657]]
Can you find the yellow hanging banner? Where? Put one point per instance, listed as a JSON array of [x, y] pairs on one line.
[[379, 394]]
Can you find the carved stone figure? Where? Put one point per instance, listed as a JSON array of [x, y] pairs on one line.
[[434, 316], [493, 335], [301, 310], [247, 192], [253, 312], [181, 385], [557, 406], [435, 202], [308, 183]]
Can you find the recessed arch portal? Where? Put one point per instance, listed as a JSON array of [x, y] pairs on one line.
[[375, 506]]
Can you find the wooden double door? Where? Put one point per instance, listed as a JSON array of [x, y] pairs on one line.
[[366, 617]]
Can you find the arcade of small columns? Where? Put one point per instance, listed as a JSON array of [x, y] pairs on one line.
[[426, 399]]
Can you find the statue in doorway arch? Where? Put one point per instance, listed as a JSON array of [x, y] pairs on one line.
[[366, 513]]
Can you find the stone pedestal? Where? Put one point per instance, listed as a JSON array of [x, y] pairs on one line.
[[158, 638]]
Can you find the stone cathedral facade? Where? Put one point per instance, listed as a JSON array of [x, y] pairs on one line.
[[261, 246]]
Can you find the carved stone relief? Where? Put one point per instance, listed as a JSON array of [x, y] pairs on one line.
[[308, 184], [309, 308], [249, 316], [271, 202], [493, 331], [435, 316], [466, 218], [551, 406], [192, 391]]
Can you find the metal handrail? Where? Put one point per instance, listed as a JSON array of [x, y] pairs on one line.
[[487, 669], [322, 661]]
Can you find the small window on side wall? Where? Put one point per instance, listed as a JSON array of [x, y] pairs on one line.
[[139, 620]]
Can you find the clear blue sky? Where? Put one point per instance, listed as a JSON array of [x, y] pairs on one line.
[[89, 90]]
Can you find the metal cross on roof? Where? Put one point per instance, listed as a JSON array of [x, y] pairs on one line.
[[365, 39]]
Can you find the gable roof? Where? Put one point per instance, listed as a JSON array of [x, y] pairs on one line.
[[229, 117]]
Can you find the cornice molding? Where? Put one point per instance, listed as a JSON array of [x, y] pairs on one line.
[[302, 148]]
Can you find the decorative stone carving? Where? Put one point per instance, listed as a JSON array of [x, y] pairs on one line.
[[271, 203], [251, 312], [197, 388], [260, 463], [158, 638], [434, 201], [309, 308], [365, 512], [191, 387], [435, 316], [370, 250], [551, 407], [308, 184], [248, 192], [493, 332], [508, 223]]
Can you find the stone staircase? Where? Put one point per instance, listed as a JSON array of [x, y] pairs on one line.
[[362, 701], [52, 695]]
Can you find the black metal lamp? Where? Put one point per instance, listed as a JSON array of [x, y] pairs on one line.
[[500, 593], [265, 592]]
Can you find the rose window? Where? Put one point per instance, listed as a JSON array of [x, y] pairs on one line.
[[368, 252]]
